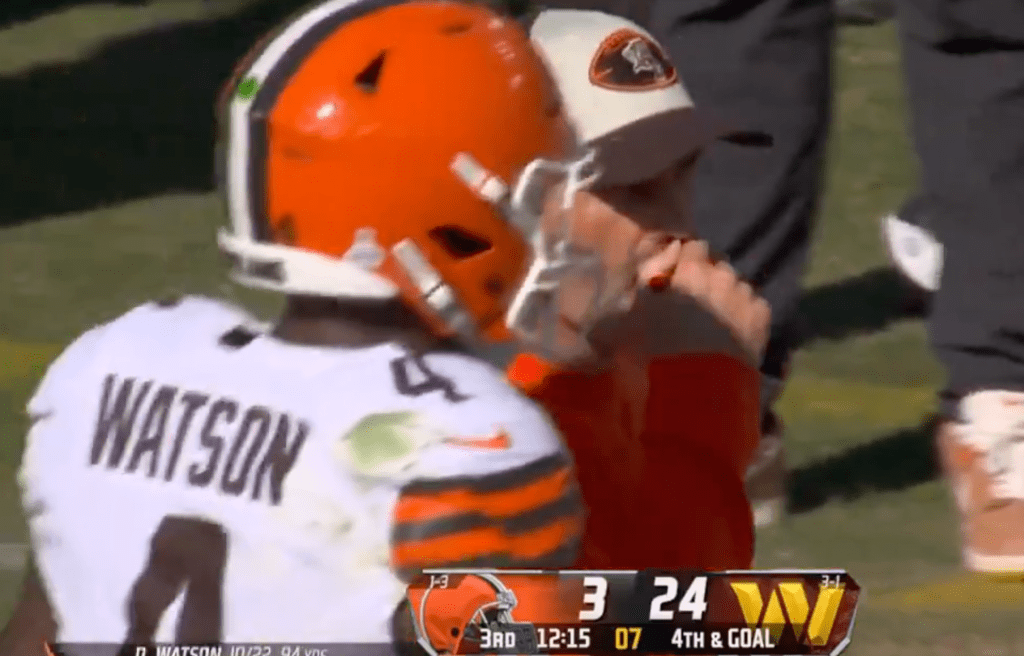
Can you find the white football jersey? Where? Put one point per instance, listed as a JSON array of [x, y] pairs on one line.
[[280, 464]]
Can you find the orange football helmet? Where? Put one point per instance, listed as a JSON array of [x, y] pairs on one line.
[[448, 620], [378, 149]]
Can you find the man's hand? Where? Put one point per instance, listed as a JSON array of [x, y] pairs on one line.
[[705, 307], [729, 303]]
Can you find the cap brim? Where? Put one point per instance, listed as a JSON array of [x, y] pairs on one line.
[[646, 148]]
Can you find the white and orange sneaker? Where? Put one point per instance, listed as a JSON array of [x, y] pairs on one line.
[[983, 458]]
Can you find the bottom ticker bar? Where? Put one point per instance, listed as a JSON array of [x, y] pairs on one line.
[[499, 639], [780, 613], [597, 639], [232, 649]]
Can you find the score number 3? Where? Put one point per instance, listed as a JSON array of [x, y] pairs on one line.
[[596, 591], [694, 601]]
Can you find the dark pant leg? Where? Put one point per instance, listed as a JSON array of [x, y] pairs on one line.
[[964, 62], [766, 65]]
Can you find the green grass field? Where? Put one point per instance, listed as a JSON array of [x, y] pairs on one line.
[[107, 204]]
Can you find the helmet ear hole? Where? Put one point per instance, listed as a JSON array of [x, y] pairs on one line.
[[458, 242]]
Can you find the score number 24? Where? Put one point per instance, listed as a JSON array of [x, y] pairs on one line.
[[694, 600]]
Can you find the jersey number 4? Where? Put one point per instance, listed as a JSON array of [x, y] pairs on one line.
[[413, 377], [189, 553]]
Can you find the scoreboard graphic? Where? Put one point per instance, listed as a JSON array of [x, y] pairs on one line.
[[783, 612]]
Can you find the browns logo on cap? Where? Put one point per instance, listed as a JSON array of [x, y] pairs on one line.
[[630, 61]]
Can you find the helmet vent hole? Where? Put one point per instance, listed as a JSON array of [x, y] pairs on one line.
[[369, 78], [456, 28], [459, 243]]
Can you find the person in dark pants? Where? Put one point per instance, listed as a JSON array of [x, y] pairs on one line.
[[964, 65]]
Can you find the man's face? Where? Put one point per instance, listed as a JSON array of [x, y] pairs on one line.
[[614, 228], [662, 204]]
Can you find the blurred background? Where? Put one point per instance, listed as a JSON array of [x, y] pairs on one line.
[[106, 135]]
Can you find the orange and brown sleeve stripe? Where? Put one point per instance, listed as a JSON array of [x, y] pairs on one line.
[[530, 516]]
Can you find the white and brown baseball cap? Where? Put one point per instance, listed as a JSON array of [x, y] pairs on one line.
[[624, 95]]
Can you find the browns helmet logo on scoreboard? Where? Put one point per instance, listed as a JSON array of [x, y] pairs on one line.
[[451, 616]]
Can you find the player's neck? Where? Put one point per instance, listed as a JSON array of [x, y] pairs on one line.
[[327, 322]]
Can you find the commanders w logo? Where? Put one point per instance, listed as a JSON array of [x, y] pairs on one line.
[[786, 604]]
